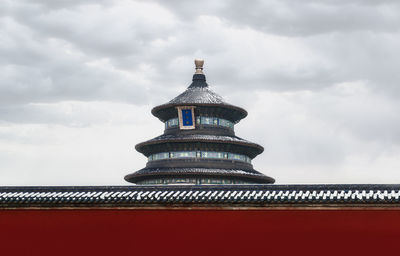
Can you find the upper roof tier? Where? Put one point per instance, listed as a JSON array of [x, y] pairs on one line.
[[199, 94]]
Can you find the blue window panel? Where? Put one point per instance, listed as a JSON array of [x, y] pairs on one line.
[[160, 156], [171, 123], [183, 154], [207, 120], [214, 121], [204, 154], [236, 157], [187, 118], [215, 155], [199, 154], [210, 154], [191, 154], [225, 123]]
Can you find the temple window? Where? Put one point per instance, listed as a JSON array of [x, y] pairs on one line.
[[200, 154], [184, 154], [207, 120], [203, 120]]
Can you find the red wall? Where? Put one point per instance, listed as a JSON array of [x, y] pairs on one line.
[[199, 232]]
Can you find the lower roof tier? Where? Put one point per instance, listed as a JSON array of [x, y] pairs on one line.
[[237, 175], [177, 142]]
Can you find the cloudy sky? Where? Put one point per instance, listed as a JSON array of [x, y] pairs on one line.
[[320, 80]]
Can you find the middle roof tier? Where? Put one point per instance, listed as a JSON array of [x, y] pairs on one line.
[[184, 142]]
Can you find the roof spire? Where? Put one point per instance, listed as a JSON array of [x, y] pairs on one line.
[[199, 79], [199, 66]]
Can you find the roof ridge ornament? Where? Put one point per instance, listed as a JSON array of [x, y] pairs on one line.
[[199, 66]]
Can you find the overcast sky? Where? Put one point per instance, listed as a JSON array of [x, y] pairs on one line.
[[320, 80]]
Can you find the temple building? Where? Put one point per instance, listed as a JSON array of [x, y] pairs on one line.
[[199, 145]]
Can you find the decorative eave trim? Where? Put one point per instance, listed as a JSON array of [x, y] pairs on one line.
[[231, 196]]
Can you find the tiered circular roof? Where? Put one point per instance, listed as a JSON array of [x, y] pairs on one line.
[[200, 139]]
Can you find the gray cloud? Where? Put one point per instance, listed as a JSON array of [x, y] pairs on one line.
[[294, 18], [353, 40], [319, 79]]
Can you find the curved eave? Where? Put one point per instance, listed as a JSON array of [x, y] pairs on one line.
[[258, 149], [152, 173], [161, 110]]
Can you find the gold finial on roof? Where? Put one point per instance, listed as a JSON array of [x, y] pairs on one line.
[[199, 66]]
